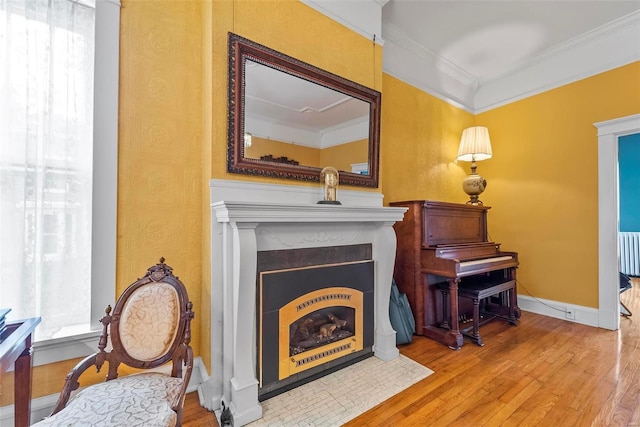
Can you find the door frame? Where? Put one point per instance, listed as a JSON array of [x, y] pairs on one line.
[[608, 248]]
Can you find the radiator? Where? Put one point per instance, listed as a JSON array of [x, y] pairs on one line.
[[630, 253]]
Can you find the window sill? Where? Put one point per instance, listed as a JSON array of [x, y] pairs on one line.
[[70, 347]]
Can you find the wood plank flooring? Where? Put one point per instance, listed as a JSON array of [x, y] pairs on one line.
[[544, 372]]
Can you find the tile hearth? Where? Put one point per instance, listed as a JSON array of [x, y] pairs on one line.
[[343, 395]]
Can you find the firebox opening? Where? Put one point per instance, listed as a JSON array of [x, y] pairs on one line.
[[312, 321], [318, 336], [324, 326]]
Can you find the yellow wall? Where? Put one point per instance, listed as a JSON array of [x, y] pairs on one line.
[[160, 143], [307, 156], [160, 167], [339, 156], [543, 181], [342, 156], [419, 138]]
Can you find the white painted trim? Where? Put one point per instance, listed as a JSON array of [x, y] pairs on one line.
[[608, 250], [360, 167], [342, 133], [611, 46], [198, 375], [65, 348], [259, 212], [583, 315], [42, 406], [410, 62], [105, 159], [364, 17], [234, 191], [55, 350]]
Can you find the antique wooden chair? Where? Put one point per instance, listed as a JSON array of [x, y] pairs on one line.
[[149, 326]]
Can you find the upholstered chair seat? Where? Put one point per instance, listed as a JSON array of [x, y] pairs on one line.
[[136, 400], [149, 328]]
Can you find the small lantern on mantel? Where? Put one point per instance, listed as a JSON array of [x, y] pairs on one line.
[[329, 178]]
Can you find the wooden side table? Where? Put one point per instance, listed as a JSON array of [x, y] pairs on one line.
[[15, 347]]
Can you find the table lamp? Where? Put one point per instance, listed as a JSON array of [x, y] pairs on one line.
[[475, 145]]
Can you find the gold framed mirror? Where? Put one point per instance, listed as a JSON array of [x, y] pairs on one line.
[[289, 119]]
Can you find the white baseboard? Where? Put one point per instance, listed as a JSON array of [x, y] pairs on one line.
[[198, 375], [559, 310], [42, 406]]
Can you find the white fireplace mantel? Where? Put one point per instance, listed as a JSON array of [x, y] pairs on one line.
[[251, 217]]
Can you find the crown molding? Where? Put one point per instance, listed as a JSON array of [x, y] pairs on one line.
[[420, 67], [364, 17], [610, 46], [605, 48]]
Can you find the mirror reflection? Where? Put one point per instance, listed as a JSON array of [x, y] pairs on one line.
[[306, 124], [289, 119]]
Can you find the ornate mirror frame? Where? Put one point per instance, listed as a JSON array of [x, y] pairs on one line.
[[241, 50]]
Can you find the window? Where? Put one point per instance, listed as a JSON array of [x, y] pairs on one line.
[[59, 113]]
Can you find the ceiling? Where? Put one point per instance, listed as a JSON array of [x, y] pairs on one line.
[[476, 55], [465, 51], [306, 113]]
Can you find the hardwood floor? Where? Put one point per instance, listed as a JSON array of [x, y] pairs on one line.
[[544, 372], [195, 415]]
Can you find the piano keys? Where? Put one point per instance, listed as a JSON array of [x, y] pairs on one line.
[[446, 242]]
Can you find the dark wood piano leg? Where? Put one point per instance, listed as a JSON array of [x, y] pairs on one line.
[[454, 339], [445, 308], [476, 322], [513, 293], [514, 311], [445, 328]]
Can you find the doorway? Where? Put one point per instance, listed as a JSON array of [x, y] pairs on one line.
[[608, 275]]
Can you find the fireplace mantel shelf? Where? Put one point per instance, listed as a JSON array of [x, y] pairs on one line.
[[280, 212]]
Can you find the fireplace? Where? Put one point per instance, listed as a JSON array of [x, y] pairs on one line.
[[262, 233], [312, 320]]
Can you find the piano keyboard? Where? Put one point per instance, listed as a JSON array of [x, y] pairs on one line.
[[485, 261]]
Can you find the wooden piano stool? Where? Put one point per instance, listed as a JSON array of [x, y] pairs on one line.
[[478, 291]]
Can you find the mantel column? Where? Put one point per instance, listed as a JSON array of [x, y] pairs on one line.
[[384, 244], [244, 384]]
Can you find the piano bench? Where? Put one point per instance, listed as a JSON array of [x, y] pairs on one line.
[[477, 291]]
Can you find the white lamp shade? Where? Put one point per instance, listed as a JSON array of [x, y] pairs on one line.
[[475, 144]]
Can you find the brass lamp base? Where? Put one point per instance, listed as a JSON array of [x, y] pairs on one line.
[[474, 185]]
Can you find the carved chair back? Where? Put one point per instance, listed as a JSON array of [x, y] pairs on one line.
[[150, 323]]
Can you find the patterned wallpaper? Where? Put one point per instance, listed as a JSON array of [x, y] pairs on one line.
[[159, 171]]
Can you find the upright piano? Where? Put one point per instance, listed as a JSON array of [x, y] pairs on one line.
[[445, 242]]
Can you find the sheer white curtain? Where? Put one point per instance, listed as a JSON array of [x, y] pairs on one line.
[[46, 146]]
